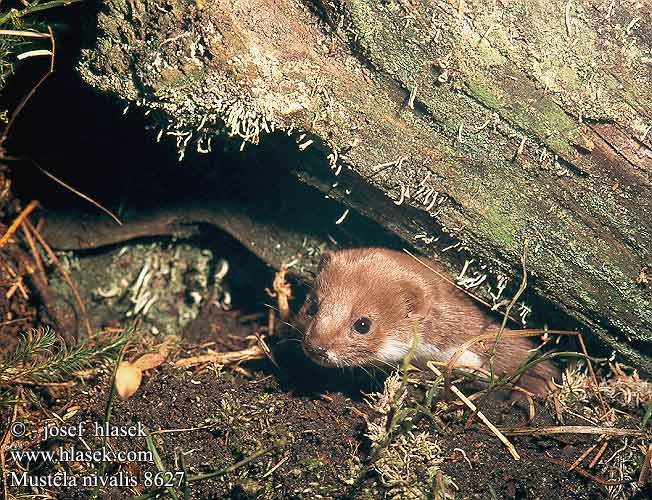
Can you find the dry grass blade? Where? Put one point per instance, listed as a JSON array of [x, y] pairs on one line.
[[571, 429], [28, 34], [19, 220], [80, 194], [515, 298], [33, 53], [485, 420], [445, 278], [500, 334], [66, 277], [594, 379], [35, 254], [510, 334], [262, 345]]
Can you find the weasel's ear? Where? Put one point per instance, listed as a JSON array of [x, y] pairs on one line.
[[414, 298], [326, 257]]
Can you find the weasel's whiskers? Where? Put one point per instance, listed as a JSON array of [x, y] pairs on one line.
[[383, 362], [288, 339], [283, 321]]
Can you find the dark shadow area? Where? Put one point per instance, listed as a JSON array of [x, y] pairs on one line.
[[88, 141], [110, 153]]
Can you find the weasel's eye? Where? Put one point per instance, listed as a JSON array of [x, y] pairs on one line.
[[312, 308], [363, 325]]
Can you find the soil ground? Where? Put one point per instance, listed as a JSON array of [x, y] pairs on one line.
[[312, 423]]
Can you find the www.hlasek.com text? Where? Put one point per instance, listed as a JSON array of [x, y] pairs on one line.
[[74, 454]]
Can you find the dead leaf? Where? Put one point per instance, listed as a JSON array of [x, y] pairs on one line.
[[127, 379], [149, 361], [129, 374]]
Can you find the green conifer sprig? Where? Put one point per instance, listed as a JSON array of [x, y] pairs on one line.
[[42, 355]]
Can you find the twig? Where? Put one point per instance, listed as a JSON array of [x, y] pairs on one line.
[[18, 221], [36, 383], [39, 287], [645, 468], [585, 454], [273, 469], [599, 454], [570, 429], [582, 472], [35, 253], [12, 321], [473, 408], [223, 358], [66, 277]]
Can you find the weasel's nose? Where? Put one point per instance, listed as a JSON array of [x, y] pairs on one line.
[[319, 354]]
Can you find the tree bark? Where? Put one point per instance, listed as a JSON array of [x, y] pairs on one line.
[[465, 128]]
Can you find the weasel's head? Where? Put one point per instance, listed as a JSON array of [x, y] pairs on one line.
[[363, 310]]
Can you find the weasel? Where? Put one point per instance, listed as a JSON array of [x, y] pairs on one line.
[[367, 304]]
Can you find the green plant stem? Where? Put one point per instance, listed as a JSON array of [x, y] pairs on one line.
[[34, 7], [158, 462]]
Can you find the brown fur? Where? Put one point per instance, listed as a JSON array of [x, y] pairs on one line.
[[402, 298]]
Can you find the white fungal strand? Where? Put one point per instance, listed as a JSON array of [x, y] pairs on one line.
[[341, 219], [402, 195], [432, 203]]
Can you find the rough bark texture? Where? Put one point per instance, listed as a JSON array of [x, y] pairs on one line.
[[528, 120]]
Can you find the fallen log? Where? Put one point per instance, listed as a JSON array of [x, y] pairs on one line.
[[470, 127]]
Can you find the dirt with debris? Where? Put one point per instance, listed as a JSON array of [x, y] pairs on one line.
[[307, 424]]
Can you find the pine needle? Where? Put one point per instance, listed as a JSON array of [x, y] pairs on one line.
[[43, 356]]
